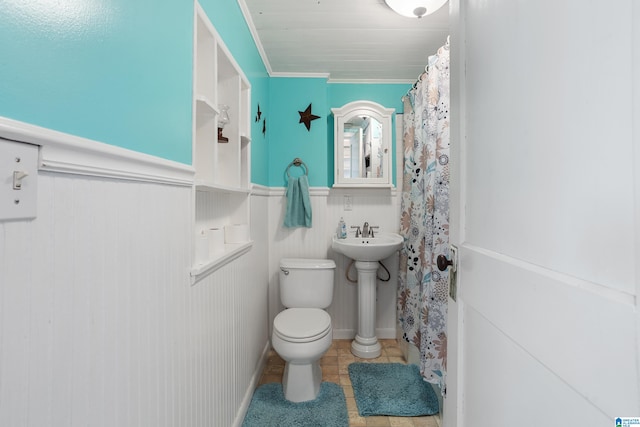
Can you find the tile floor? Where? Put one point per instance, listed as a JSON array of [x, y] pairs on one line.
[[334, 369]]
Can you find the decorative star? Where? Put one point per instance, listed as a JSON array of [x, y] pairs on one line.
[[259, 114], [306, 117], [264, 127]]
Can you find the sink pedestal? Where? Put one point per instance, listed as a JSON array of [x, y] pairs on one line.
[[367, 251], [366, 344]]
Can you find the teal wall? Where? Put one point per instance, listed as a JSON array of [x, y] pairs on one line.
[[290, 139], [388, 95], [119, 72], [110, 71]]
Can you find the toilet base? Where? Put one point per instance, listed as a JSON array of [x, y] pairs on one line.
[[301, 382]]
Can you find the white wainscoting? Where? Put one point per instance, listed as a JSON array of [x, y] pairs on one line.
[[99, 323], [378, 207]]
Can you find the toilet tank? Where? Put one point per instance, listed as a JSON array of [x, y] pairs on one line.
[[306, 283]]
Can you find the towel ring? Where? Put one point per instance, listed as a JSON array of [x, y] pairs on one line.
[[298, 162]]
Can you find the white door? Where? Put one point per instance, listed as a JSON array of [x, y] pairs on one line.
[[546, 213]]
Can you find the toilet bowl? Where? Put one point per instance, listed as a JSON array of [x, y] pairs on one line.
[[301, 336], [302, 333]]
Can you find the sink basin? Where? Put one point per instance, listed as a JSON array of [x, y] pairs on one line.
[[370, 248]]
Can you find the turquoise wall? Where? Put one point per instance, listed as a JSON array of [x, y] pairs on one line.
[[114, 72], [290, 139], [388, 95], [110, 71]]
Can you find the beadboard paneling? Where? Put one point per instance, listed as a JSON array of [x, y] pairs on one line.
[[99, 324], [378, 207]]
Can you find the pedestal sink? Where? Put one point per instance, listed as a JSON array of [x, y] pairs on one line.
[[367, 252]]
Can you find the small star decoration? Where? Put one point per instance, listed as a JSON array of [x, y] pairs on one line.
[[306, 117], [259, 114]]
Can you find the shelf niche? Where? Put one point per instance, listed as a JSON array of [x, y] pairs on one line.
[[221, 191]]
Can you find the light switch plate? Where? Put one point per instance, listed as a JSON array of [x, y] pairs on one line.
[[348, 203], [18, 192]]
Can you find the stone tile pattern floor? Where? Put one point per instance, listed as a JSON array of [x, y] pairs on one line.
[[334, 369]]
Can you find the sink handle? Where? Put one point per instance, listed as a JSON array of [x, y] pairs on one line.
[[371, 229], [358, 232]]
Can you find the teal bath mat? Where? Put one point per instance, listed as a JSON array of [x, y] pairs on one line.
[[269, 408], [391, 389]]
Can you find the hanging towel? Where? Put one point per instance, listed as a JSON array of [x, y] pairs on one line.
[[298, 212]]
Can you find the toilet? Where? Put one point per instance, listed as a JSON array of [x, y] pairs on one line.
[[302, 332]]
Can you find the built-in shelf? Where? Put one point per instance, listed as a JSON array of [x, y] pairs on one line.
[[205, 106], [212, 188], [231, 252], [221, 191]]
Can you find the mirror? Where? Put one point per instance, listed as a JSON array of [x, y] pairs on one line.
[[363, 155]]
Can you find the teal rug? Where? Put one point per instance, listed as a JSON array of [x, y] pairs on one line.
[[391, 389], [268, 407]]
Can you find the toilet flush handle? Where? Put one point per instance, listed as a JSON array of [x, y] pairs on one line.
[[286, 272]]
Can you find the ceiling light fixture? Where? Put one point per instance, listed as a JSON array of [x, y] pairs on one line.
[[415, 8]]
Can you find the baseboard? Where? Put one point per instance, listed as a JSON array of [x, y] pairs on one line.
[[253, 384]]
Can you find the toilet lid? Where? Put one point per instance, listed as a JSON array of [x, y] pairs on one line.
[[302, 324]]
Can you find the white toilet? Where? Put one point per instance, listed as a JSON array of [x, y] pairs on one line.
[[302, 333]]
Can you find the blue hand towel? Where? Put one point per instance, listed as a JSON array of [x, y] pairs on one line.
[[298, 212]]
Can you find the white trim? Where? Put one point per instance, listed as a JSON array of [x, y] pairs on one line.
[[618, 296], [371, 81], [313, 191], [301, 75], [259, 190], [365, 185], [64, 153], [256, 37]]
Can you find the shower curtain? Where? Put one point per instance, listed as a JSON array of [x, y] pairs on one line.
[[424, 221]]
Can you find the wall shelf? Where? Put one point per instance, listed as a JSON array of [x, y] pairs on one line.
[[205, 106], [214, 188], [221, 191], [231, 252]]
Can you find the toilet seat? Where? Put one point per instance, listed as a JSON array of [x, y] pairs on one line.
[[302, 325]]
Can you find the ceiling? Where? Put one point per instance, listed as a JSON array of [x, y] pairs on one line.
[[345, 40]]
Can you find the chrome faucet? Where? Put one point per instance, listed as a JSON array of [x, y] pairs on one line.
[[365, 229]]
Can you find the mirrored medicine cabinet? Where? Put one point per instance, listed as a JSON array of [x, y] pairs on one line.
[[362, 138]]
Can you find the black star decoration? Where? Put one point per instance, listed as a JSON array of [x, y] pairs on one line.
[[306, 117], [259, 114]]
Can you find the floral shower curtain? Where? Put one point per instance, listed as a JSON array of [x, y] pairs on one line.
[[424, 223]]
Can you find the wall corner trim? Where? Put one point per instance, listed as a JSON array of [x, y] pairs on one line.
[[65, 153]]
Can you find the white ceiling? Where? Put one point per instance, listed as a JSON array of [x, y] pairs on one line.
[[346, 40]]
